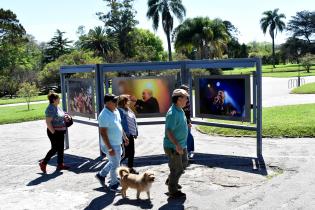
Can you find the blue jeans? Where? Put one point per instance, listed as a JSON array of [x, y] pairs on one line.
[[190, 142], [112, 164]]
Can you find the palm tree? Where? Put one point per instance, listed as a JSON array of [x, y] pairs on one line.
[[165, 8], [207, 37], [97, 41], [272, 20]]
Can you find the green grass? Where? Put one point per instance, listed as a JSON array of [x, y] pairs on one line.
[[20, 113], [22, 100], [289, 70], [305, 89], [285, 121]]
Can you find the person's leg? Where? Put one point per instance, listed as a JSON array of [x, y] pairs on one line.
[[176, 169], [131, 151], [54, 148], [60, 146], [185, 159], [190, 142], [124, 154], [115, 163]]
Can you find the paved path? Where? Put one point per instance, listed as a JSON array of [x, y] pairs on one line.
[[276, 92], [223, 176]]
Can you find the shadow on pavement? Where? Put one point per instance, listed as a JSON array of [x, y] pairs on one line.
[[174, 204], [102, 201], [44, 178], [143, 204], [246, 164]]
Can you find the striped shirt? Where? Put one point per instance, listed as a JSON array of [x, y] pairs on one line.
[[128, 121]]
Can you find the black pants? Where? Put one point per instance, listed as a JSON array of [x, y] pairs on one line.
[[130, 151], [57, 146]]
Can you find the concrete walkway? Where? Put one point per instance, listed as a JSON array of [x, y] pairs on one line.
[[224, 175]]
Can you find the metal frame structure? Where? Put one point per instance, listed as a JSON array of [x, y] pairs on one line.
[[185, 76]]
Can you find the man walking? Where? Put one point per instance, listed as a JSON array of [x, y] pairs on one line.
[[176, 131], [111, 131]]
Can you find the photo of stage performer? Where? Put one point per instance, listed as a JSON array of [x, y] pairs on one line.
[[220, 107], [148, 104]]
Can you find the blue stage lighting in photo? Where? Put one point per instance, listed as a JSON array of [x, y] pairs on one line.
[[229, 99], [218, 84]]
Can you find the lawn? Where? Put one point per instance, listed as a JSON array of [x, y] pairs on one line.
[[21, 100], [289, 70], [285, 121], [20, 113], [305, 89]]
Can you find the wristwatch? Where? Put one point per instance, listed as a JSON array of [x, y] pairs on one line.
[[109, 150]]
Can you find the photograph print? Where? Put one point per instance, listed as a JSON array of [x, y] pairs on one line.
[[149, 96], [81, 97], [223, 97]]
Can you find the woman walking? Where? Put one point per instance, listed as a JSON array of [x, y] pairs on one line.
[[129, 124], [56, 128]]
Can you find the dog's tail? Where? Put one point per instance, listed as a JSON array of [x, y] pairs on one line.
[[123, 171]]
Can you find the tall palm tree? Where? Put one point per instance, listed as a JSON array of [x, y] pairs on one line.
[[167, 9], [273, 21], [97, 41], [208, 37]]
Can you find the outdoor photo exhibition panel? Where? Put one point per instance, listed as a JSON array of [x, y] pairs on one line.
[[223, 97], [239, 99]]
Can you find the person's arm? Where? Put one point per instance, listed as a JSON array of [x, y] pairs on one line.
[[172, 138], [125, 138], [104, 135], [49, 124]]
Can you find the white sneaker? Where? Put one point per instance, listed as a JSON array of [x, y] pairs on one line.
[[191, 155]]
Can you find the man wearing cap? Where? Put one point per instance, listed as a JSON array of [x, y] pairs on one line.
[[111, 131], [176, 131]]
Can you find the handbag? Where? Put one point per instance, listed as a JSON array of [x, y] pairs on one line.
[[68, 120]]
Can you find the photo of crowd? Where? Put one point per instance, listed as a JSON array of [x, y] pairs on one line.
[[81, 97], [148, 96], [223, 98]]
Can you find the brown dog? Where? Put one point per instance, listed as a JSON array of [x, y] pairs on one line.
[[141, 182]]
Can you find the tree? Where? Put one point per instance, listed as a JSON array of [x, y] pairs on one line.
[[273, 21], [51, 72], [56, 47], [167, 9], [9, 25], [99, 42], [302, 25], [293, 48], [308, 61], [201, 35], [27, 91], [145, 46], [119, 21]]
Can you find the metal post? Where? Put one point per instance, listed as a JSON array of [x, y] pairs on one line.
[[259, 108], [190, 94], [184, 74], [254, 98], [64, 106], [299, 77], [100, 96]]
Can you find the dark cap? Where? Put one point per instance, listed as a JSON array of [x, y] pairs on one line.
[[110, 97], [184, 87]]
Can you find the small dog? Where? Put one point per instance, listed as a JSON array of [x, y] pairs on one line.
[[141, 182]]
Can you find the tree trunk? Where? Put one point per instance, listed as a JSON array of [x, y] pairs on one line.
[[169, 46], [273, 51]]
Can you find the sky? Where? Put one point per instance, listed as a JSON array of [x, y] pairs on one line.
[[41, 18]]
